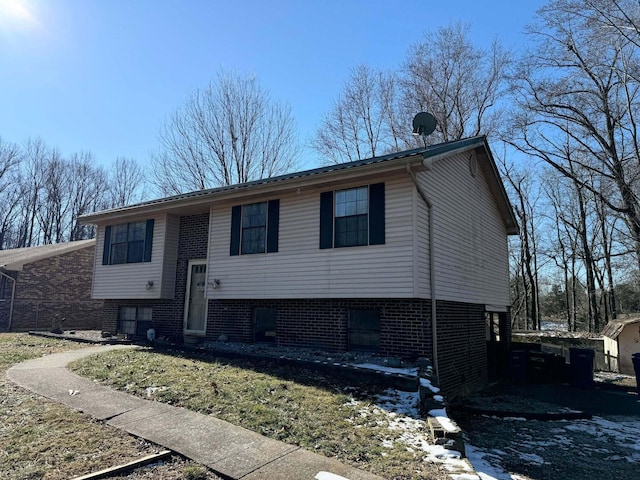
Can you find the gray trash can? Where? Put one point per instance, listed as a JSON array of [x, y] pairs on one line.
[[582, 360], [635, 358]]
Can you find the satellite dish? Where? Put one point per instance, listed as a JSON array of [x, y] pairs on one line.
[[424, 124]]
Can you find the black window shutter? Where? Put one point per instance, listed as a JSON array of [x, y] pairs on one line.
[[376, 214], [273, 222], [148, 241], [107, 245], [236, 217], [326, 220]]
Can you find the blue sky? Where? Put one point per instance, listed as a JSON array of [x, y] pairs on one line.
[[102, 75]]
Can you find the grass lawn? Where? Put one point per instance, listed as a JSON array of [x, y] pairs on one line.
[[40, 439], [294, 405]]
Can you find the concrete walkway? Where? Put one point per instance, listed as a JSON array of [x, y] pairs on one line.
[[228, 450]]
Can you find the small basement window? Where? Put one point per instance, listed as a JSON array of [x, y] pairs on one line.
[[265, 325], [364, 330], [134, 320]]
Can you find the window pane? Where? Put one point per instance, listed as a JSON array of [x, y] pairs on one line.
[[127, 242], [351, 231], [118, 253], [352, 202], [128, 327], [137, 231], [135, 252], [254, 228], [119, 233], [144, 313], [254, 215], [253, 240], [127, 313]]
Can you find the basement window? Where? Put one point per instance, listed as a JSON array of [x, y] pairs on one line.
[[364, 330], [134, 320]]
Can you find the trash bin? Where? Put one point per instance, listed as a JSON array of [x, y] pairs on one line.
[[581, 361], [518, 366], [539, 364], [635, 358]]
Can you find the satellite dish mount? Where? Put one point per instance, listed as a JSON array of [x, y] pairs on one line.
[[424, 124]]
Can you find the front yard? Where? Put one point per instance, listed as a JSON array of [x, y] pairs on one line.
[[40, 439], [299, 406]]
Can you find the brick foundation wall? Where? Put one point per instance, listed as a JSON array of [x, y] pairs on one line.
[[322, 323], [57, 290]]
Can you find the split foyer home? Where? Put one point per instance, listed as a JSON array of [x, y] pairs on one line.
[[403, 254], [47, 287]]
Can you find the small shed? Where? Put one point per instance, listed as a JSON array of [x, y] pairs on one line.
[[47, 287], [621, 341]]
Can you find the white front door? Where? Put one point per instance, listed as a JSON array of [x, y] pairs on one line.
[[195, 309]]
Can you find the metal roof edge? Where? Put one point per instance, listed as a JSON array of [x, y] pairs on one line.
[[202, 196]]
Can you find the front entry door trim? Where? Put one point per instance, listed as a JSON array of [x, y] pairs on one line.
[[195, 305]]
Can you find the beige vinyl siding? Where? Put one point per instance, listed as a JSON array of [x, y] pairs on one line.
[[423, 287], [471, 257], [129, 280], [300, 269]]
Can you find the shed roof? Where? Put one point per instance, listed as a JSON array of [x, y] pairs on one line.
[[17, 258], [614, 328]]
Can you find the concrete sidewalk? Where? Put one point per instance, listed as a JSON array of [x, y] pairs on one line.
[[228, 450]]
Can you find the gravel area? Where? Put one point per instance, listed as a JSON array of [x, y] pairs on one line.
[[307, 354]]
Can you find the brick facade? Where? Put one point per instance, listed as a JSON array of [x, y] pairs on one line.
[[53, 290]]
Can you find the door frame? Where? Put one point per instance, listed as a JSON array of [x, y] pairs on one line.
[[187, 296]]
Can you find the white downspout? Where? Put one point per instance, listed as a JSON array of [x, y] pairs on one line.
[[13, 295], [432, 267]]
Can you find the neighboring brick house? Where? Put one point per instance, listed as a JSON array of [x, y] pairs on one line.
[[340, 258], [48, 286]]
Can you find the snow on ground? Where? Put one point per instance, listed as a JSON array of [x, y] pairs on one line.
[[399, 412], [608, 440], [606, 437]]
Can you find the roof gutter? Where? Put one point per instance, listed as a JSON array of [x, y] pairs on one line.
[[432, 266], [13, 295]]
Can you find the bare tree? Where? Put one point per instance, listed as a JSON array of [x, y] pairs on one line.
[[10, 157], [460, 84], [525, 193], [127, 183], [36, 155], [229, 132], [364, 120], [578, 86], [89, 191]]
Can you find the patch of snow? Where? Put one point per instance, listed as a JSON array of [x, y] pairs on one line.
[[427, 384], [328, 476], [438, 398], [151, 390], [440, 414], [611, 376], [486, 465], [383, 368]]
